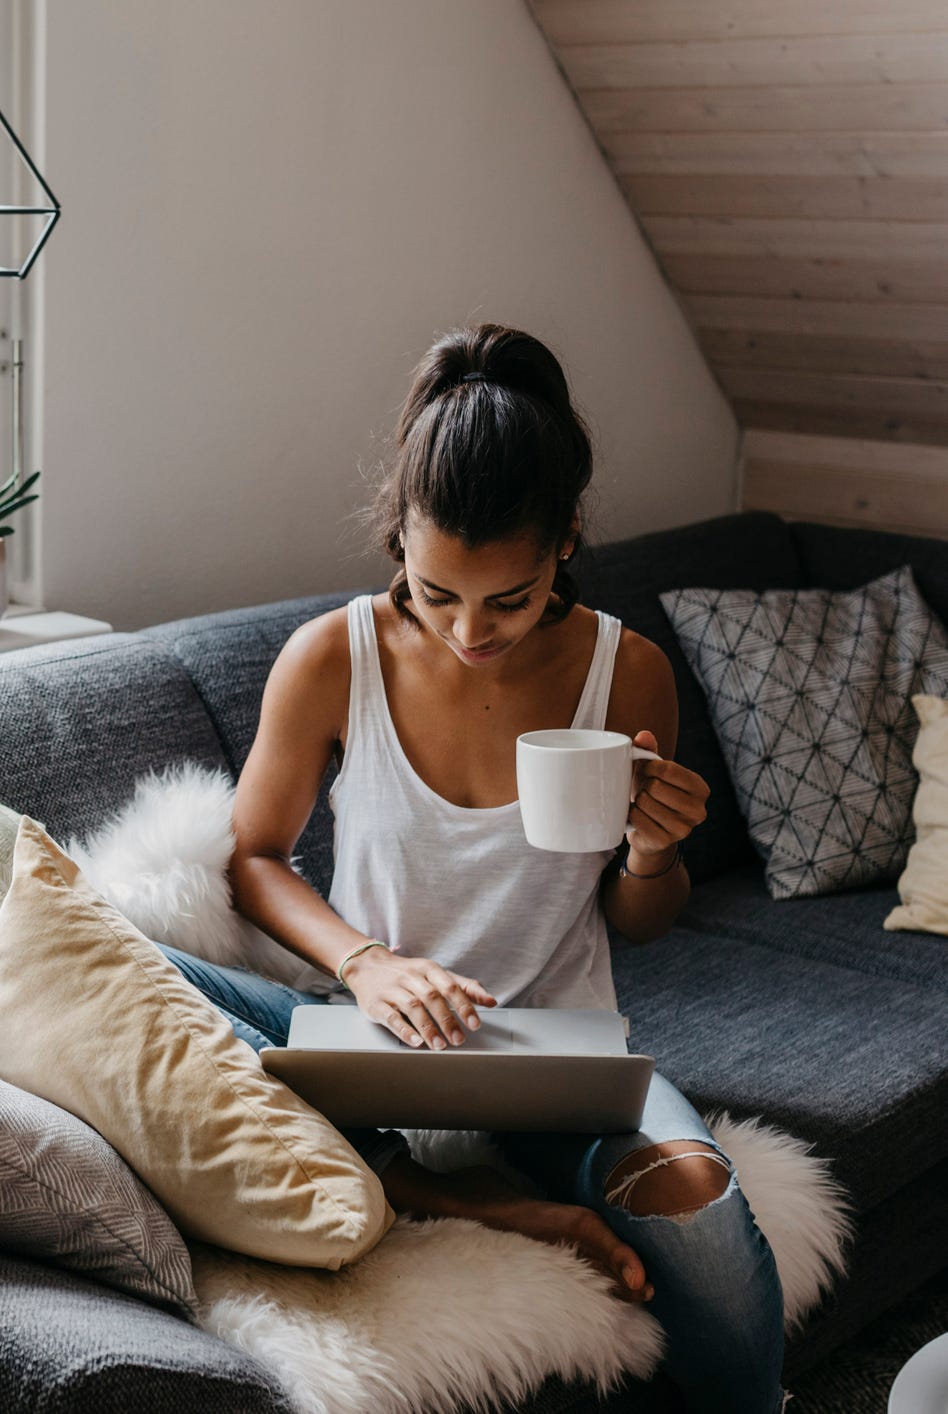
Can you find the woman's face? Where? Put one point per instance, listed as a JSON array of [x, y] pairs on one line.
[[481, 602]]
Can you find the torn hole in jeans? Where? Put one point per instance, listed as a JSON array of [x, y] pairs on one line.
[[622, 1190]]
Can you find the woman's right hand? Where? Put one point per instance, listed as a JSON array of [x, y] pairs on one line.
[[419, 1001]]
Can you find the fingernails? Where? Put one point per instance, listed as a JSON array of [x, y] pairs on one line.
[[648, 1293], [457, 1038], [632, 1277], [414, 1040]]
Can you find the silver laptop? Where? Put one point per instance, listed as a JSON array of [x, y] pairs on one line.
[[524, 1069]]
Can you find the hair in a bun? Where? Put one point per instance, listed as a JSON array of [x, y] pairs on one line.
[[488, 445]]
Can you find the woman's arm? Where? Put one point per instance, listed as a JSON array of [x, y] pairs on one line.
[[303, 715], [668, 801]]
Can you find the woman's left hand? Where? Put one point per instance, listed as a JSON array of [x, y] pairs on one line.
[[668, 801]]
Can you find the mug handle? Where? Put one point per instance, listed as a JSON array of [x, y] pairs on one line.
[[641, 753]]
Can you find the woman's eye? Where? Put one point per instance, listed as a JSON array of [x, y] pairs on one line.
[[504, 608]]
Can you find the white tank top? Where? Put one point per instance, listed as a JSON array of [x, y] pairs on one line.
[[462, 885]]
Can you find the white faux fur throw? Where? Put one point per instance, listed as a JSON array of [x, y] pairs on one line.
[[440, 1314], [162, 861], [447, 1313]]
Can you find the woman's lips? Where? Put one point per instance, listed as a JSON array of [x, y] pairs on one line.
[[478, 655]]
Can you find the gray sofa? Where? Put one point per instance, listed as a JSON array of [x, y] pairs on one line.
[[805, 1012]]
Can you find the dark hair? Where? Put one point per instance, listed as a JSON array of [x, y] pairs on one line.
[[487, 445]]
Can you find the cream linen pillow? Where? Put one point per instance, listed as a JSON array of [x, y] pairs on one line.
[[923, 885], [95, 1019]]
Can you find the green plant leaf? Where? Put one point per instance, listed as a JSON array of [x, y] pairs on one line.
[[22, 488], [7, 509], [30, 481], [6, 530]]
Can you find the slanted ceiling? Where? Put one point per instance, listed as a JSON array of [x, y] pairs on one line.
[[788, 163]]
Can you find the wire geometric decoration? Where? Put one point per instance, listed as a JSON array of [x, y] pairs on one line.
[[52, 211]]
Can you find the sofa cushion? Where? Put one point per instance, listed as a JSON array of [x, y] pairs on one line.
[[844, 929], [228, 657], [809, 691], [69, 1346], [82, 720], [67, 1198], [850, 1061], [97, 1020], [753, 551]]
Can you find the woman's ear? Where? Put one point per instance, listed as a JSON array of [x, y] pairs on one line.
[[568, 548]]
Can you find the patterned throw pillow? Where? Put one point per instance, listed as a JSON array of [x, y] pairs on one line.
[[67, 1198], [810, 695]]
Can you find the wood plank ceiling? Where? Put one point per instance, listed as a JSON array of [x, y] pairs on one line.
[[788, 162]]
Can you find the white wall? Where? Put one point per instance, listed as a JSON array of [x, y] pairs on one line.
[[271, 208]]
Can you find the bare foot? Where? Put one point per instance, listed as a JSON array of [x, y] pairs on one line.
[[484, 1195]]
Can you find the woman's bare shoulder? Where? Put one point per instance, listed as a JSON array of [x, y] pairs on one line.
[[314, 666]]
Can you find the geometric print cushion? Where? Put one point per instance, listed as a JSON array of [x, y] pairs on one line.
[[68, 1199], [810, 695]]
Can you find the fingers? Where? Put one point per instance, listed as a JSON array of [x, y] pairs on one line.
[[671, 776], [424, 1004], [398, 1026], [431, 1018], [647, 811], [668, 803], [477, 994]]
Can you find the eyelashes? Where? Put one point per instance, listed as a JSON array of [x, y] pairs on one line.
[[523, 603]]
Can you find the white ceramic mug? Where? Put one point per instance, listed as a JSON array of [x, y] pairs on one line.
[[574, 788]]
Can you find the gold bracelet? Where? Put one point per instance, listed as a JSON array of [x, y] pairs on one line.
[[625, 873], [363, 947]]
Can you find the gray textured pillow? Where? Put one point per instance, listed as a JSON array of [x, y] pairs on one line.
[[810, 695], [67, 1198]]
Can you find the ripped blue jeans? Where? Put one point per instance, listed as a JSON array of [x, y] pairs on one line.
[[717, 1293]]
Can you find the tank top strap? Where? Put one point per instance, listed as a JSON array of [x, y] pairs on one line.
[[594, 703], [367, 691]]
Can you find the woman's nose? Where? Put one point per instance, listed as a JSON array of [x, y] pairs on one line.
[[472, 628]]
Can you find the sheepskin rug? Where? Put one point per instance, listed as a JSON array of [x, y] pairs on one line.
[[162, 861], [441, 1314], [446, 1314]]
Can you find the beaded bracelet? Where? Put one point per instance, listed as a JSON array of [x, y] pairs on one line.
[[625, 873], [363, 947]]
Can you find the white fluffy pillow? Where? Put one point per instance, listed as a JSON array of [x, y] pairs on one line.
[[9, 824], [162, 861], [923, 886]]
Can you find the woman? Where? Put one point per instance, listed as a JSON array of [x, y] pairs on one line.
[[438, 905]]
